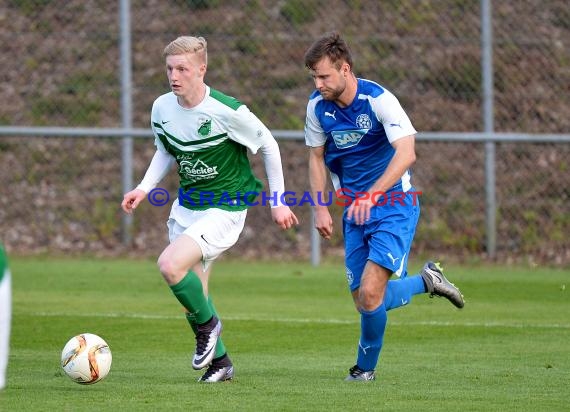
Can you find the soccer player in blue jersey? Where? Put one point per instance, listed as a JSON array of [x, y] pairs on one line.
[[358, 130]]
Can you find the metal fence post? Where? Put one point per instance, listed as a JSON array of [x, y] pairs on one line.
[[488, 117], [315, 241], [126, 111]]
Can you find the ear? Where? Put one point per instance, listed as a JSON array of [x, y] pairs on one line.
[[203, 68]]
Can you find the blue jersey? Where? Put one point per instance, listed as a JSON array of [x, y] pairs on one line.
[[358, 138]]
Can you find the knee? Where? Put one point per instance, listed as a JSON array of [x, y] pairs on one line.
[[369, 298], [170, 272]]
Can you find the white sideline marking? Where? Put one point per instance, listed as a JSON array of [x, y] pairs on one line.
[[307, 320]]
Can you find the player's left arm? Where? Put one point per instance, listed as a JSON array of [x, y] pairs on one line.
[[401, 134], [247, 129], [281, 214], [404, 157]]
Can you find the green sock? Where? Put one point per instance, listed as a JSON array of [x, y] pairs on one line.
[[220, 347], [190, 294]]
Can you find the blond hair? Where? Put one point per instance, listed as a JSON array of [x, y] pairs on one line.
[[188, 44]]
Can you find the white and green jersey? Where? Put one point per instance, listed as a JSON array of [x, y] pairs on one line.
[[3, 263], [209, 143], [5, 314]]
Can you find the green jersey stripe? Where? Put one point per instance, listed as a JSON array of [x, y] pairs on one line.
[[167, 135], [228, 101]]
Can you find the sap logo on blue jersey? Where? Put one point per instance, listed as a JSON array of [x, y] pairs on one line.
[[347, 138]]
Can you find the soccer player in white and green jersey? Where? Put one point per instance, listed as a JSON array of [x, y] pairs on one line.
[[207, 135], [5, 314]]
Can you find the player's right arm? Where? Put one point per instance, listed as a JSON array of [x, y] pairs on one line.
[[318, 181], [315, 139], [159, 166]]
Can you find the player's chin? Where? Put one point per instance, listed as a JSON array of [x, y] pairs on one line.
[[326, 95]]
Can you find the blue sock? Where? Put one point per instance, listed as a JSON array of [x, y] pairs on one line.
[[399, 292], [372, 327]]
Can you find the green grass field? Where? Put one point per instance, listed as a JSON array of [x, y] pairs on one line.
[[291, 331]]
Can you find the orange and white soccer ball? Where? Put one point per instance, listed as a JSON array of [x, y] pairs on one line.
[[86, 358]]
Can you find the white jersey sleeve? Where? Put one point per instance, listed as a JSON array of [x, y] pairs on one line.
[[314, 133], [274, 170], [159, 167], [390, 113], [154, 117], [246, 129], [161, 162]]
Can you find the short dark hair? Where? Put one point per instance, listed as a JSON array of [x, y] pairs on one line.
[[330, 45]]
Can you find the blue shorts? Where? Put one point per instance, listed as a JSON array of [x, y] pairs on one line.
[[385, 239]]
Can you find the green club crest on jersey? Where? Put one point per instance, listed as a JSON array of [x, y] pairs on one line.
[[206, 128]]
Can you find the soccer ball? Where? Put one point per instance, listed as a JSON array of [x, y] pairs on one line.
[[86, 358]]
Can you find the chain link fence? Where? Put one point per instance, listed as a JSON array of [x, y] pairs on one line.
[[60, 67]]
